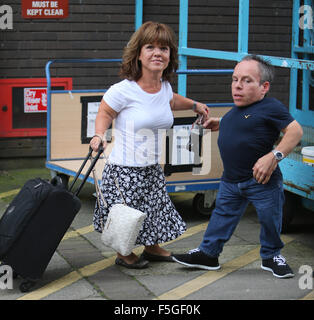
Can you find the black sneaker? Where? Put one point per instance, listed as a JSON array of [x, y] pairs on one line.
[[197, 259], [278, 266]]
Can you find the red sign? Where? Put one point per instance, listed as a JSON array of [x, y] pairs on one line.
[[57, 9], [35, 100]]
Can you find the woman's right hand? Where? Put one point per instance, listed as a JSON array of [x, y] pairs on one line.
[[96, 142]]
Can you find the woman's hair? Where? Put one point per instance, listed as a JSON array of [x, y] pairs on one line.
[[149, 32]]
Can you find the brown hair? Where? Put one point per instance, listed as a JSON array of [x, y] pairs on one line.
[[149, 32]]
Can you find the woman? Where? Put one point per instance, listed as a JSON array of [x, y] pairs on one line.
[[142, 105]]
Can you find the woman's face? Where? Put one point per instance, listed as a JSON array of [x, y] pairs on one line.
[[154, 57]]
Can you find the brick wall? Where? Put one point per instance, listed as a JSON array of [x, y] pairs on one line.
[[100, 29]]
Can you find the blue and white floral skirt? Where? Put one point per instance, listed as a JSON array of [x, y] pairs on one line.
[[143, 188]]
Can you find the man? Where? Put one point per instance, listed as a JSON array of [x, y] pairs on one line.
[[247, 134]]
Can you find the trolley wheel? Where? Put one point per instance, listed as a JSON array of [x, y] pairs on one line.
[[198, 205], [26, 285], [61, 180], [290, 207], [64, 179]]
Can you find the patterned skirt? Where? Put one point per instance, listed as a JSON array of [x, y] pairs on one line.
[[143, 188]]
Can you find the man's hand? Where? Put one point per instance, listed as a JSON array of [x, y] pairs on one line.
[[264, 167], [212, 124]]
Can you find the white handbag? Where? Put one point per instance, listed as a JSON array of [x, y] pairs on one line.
[[122, 226]]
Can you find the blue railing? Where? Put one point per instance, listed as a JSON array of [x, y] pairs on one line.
[[48, 77], [304, 116]]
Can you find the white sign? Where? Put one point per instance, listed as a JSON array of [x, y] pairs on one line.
[[92, 109], [180, 153]]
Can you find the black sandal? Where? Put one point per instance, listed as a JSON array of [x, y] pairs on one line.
[[139, 264], [156, 257]]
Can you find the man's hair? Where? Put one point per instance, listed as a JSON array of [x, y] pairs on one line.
[[267, 72]]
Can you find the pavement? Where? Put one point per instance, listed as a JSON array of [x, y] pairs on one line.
[[83, 268]]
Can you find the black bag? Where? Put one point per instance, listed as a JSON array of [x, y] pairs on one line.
[[21, 210], [35, 222]]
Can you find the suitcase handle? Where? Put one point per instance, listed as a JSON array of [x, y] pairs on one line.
[[92, 165]]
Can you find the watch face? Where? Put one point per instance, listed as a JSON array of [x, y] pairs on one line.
[[279, 155]]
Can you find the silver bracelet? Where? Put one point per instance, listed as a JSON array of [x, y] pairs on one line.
[[99, 136]]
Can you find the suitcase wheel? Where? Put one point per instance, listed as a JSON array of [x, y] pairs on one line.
[[25, 286]]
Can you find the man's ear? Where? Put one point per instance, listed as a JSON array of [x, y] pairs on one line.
[[266, 87]]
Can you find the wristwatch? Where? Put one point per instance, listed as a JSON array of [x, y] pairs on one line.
[[278, 155]]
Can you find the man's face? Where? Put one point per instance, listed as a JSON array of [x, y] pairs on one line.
[[246, 87]]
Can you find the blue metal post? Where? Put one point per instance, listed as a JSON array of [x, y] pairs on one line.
[[183, 36], [138, 13], [48, 143], [243, 27], [306, 73], [294, 44], [305, 115]]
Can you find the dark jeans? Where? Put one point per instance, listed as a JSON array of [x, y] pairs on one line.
[[232, 200]]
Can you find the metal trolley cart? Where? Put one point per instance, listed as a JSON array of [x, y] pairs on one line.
[[70, 120], [64, 115]]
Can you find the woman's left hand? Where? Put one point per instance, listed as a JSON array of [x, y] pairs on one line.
[[182, 103], [202, 110]]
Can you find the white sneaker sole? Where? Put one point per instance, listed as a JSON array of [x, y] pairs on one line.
[[199, 266], [288, 275]]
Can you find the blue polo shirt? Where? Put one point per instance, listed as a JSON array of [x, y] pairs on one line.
[[248, 133]]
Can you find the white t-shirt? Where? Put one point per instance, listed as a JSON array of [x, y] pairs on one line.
[[141, 121]]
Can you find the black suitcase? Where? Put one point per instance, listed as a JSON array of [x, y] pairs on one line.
[[35, 222]]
